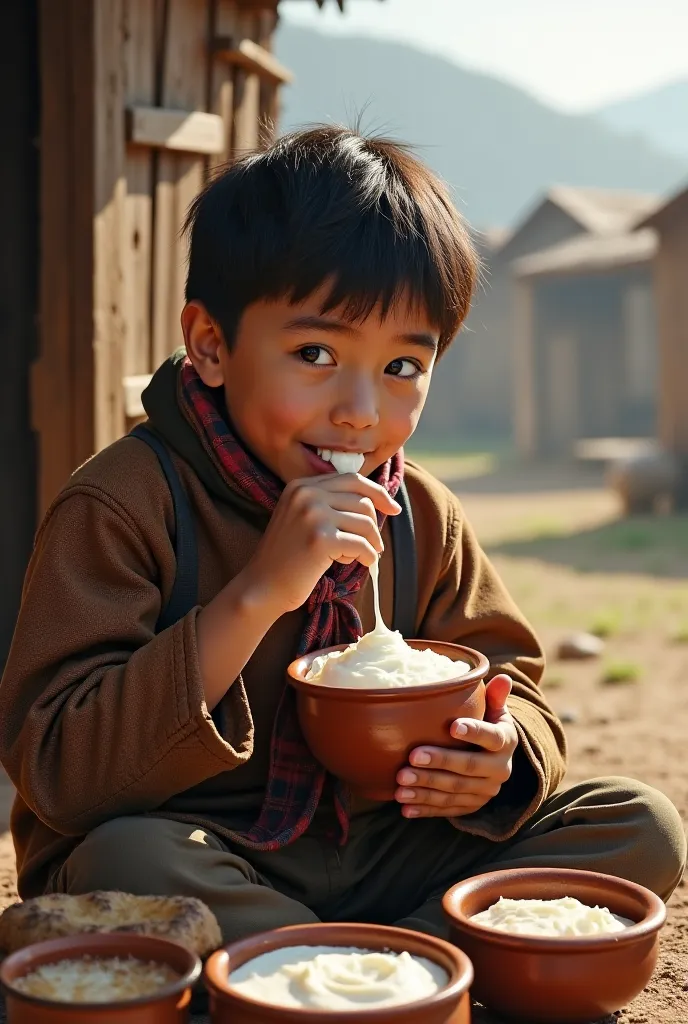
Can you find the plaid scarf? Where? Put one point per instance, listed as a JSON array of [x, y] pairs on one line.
[[296, 780]]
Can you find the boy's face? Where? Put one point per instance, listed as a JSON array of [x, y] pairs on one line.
[[296, 381]]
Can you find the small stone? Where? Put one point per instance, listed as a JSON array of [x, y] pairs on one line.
[[578, 646], [569, 716]]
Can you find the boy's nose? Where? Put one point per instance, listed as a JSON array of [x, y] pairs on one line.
[[357, 408]]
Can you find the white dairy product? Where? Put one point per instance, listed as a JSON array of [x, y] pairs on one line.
[[337, 978], [89, 979], [382, 659], [343, 462], [561, 918]]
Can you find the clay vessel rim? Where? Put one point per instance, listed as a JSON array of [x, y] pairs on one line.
[[652, 921], [475, 674], [70, 949], [461, 975]]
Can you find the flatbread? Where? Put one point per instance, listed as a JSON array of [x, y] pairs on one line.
[[182, 919]]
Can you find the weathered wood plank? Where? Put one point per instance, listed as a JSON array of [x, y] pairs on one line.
[[180, 177], [221, 79], [246, 95], [270, 92], [186, 132], [110, 187], [62, 378], [140, 86], [252, 57]]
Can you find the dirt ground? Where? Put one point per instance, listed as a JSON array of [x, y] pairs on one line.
[[554, 534]]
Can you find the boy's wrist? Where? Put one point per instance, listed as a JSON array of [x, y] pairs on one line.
[[254, 599]]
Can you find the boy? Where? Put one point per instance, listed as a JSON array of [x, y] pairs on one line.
[[159, 753]]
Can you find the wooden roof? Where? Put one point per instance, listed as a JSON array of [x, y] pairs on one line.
[[675, 207], [589, 254], [597, 211]]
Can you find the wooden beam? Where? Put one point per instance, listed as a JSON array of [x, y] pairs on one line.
[[252, 58], [133, 389], [180, 130]]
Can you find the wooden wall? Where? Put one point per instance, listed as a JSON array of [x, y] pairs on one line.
[[576, 355], [671, 286], [18, 299], [142, 99]]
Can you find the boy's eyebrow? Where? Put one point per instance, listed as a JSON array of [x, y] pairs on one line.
[[318, 323], [421, 339], [322, 323]]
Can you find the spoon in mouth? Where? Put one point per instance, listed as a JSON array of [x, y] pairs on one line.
[[352, 462]]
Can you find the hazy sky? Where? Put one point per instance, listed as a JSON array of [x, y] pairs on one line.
[[574, 54]]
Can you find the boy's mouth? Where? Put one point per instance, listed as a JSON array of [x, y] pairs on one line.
[[334, 460]]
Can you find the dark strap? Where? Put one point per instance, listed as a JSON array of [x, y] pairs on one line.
[[184, 594], [405, 568]]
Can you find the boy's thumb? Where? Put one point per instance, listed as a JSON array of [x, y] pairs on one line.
[[497, 692]]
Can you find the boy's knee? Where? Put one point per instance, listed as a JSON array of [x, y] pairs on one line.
[[126, 854], [651, 833]]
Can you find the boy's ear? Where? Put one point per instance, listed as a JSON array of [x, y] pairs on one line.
[[204, 342]]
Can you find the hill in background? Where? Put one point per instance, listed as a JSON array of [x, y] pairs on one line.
[[497, 146], [660, 117]]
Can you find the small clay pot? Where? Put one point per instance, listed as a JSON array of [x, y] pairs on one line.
[[364, 736], [570, 981], [169, 1005], [451, 1005]]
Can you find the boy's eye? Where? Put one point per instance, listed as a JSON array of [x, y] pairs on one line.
[[403, 368], [316, 355]]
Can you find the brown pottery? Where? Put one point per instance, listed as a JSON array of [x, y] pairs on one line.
[[169, 1005], [364, 736], [560, 981], [451, 1005]]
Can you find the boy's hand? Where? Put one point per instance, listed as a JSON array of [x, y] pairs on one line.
[[317, 521], [446, 783]]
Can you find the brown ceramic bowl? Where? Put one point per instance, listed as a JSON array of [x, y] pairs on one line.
[[169, 1005], [451, 1005], [570, 981], [364, 736]]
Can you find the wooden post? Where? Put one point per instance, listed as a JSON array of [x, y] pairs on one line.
[[525, 369], [62, 378], [109, 222], [179, 176], [139, 63]]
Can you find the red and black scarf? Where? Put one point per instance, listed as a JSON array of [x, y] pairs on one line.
[[296, 779]]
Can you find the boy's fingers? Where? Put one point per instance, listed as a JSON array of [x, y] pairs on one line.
[[461, 762], [497, 693], [488, 735], [382, 501]]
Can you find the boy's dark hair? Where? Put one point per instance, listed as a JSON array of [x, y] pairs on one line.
[[329, 204]]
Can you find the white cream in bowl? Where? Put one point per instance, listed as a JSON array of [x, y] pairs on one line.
[[561, 918], [337, 978]]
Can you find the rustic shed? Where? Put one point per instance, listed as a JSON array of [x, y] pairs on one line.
[[584, 342], [116, 112], [670, 223], [484, 368]]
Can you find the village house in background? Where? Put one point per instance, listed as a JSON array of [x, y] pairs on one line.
[[583, 322], [670, 223], [560, 344], [118, 110]]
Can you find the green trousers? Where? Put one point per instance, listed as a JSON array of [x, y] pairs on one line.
[[392, 870]]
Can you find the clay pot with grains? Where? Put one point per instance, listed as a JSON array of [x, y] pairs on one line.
[[167, 1005], [363, 736]]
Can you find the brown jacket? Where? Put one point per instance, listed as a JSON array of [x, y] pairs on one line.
[[99, 717]]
